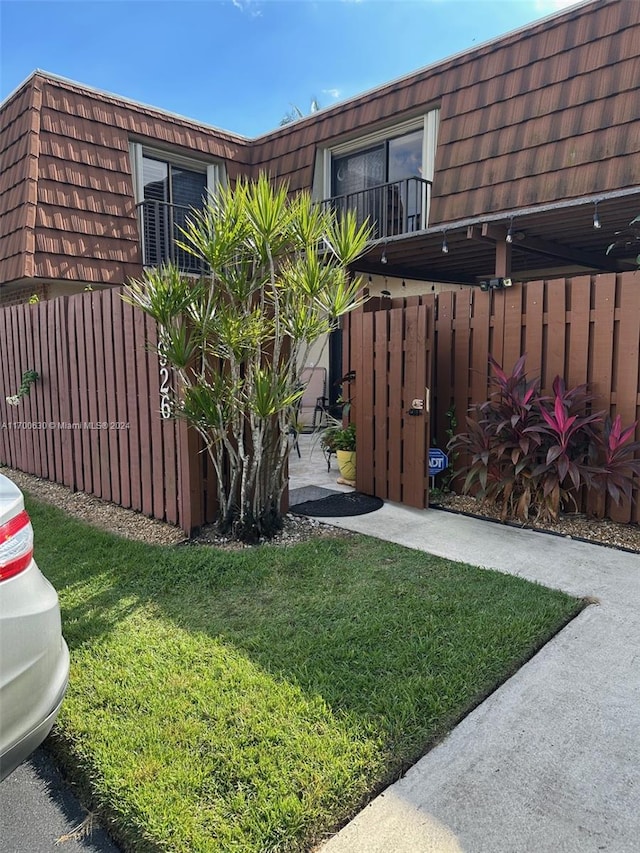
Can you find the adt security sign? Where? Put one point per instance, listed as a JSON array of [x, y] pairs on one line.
[[438, 461]]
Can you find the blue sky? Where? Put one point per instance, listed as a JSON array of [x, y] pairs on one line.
[[241, 64]]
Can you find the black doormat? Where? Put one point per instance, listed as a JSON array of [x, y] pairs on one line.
[[339, 504], [306, 494]]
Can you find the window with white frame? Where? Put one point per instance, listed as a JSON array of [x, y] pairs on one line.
[[384, 176], [168, 187]]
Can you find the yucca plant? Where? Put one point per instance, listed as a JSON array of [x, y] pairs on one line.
[[239, 337]]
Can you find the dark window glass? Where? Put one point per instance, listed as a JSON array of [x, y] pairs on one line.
[[170, 192], [377, 184]]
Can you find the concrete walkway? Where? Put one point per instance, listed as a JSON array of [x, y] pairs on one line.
[[550, 763]]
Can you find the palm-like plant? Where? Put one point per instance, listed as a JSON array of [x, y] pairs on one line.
[[239, 336]]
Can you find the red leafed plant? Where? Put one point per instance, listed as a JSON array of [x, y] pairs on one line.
[[614, 475], [531, 454]]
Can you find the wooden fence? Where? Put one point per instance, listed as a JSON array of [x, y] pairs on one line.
[[93, 420], [586, 329], [390, 351]]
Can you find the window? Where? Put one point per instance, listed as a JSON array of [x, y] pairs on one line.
[[385, 176], [167, 189]]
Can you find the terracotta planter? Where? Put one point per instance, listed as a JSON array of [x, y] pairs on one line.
[[347, 464]]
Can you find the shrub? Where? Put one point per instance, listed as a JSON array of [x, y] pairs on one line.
[[531, 454], [338, 438]]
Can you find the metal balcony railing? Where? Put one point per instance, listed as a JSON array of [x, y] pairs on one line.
[[398, 207], [160, 224]]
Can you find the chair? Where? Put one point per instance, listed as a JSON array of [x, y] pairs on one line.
[[314, 405]]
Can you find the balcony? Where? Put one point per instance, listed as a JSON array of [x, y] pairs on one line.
[[393, 209], [160, 224]]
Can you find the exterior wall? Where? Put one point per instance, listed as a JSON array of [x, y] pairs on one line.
[[539, 116], [86, 204], [24, 293], [67, 193], [398, 287]]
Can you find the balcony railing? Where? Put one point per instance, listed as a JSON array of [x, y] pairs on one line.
[[160, 224], [399, 207]]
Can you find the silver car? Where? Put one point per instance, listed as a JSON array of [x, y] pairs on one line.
[[34, 659]]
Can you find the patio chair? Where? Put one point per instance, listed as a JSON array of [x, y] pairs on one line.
[[314, 405]]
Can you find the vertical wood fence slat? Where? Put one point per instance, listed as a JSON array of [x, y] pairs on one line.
[[156, 449], [534, 327], [26, 407], [410, 424], [55, 382], [121, 414], [101, 431], [512, 337], [64, 391], [602, 377], [419, 450], [381, 404], [143, 395], [626, 367], [112, 476], [363, 323], [556, 329], [83, 316], [396, 340], [496, 324], [74, 394], [578, 331], [443, 398], [29, 402], [130, 354], [478, 349], [461, 365], [5, 366], [41, 450], [17, 373]]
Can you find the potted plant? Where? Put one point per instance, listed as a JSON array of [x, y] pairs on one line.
[[341, 441]]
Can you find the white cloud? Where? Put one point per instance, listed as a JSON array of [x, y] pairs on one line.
[[333, 93], [249, 6], [546, 7]]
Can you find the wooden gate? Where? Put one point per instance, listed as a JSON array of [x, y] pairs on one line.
[[390, 350]]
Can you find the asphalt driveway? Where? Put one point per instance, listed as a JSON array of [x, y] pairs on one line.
[[39, 813]]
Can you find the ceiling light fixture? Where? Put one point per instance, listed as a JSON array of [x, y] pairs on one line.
[[509, 237], [445, 245], [596, 218], [383, 259]]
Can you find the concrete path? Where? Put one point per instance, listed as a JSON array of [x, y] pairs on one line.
[[550, 763]]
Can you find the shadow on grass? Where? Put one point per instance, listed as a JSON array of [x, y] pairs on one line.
[[407, 641]]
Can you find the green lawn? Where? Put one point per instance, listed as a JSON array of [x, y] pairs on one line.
[[253, 701]]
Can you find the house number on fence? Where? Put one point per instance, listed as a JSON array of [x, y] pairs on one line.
[[165, 399]]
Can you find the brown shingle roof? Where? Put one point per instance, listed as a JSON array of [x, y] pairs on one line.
[[535, 118], [86, 227], [18, 176], [538, 116]]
